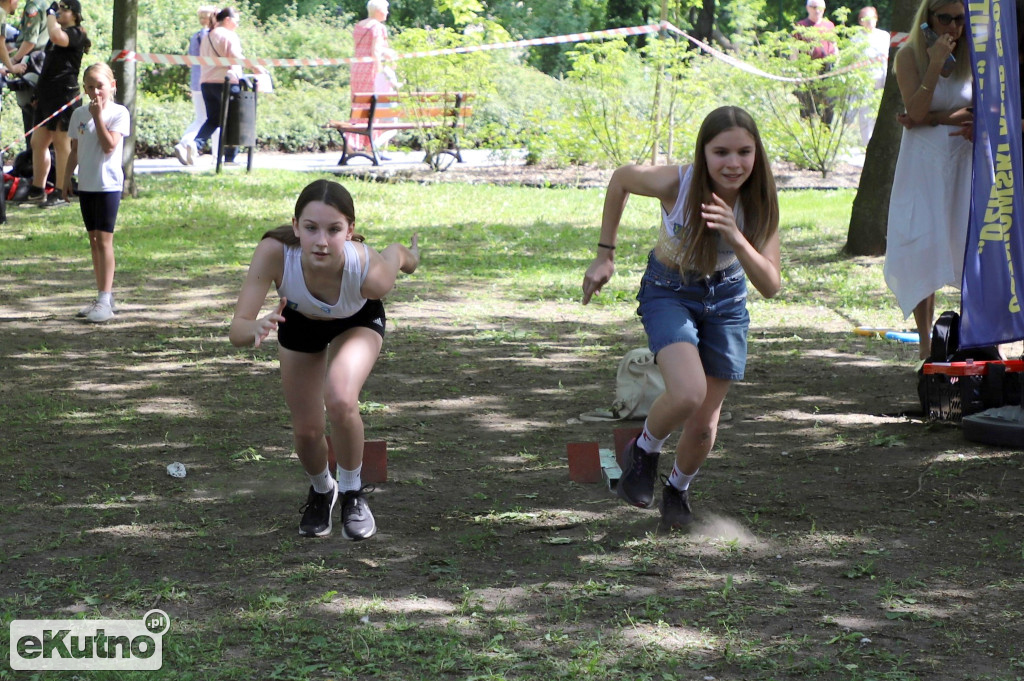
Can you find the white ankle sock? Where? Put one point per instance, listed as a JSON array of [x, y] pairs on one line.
[[649, 443], [106, 297], [322, 483], [350, 481], [680, 480]]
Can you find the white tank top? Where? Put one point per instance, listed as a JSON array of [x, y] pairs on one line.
[[672, 223], [350, 301]]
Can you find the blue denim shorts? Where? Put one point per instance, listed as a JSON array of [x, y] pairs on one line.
[[708, 312]]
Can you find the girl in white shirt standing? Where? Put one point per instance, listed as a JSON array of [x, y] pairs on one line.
[[331, 332], [97, 144]]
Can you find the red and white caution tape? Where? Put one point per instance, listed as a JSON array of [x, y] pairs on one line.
[[188, 60], [743, 66], [44, 121]]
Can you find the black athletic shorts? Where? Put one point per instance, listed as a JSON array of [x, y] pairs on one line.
[[302, 334]]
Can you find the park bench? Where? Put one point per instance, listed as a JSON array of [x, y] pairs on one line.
[[405, 111]]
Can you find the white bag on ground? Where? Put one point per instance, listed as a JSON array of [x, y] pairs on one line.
[[638, 382]]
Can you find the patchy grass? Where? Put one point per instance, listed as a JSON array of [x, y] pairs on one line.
[[837, 539]]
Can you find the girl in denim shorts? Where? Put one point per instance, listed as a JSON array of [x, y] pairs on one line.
[[330, 329], [720, 219]]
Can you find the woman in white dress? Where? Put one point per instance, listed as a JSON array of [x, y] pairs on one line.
[[931, 192]]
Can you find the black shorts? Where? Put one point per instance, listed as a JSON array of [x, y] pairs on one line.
[[49, 101], [302, 334], [99, 210]]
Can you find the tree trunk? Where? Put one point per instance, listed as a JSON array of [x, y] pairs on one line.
[[870, 213], [123, 37]]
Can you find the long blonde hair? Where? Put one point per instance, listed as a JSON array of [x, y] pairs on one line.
[[697, 249], [918, 45]]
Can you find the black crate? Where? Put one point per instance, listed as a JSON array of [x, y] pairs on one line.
[[951, 391]]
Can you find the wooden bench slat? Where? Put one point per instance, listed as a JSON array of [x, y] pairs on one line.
[[413, 114], [372, 113], [366, 97]]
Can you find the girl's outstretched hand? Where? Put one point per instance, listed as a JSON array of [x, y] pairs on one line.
[[413, 261], [598, 274], [269, 322], [718, 215]]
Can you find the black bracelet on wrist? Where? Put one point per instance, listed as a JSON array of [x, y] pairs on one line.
[[601, 245]]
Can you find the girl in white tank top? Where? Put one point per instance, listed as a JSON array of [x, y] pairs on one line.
[[719, 228], [331, 325]]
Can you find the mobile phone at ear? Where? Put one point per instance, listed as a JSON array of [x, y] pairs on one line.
[[930, 37]]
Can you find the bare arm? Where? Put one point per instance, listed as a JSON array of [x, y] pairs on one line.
[[917, 91], [266, 268], [5, 56], [57, 35], [661, 182], [385, 266], [762, 267], [108, 139], [23, 49], [69, 168], [233, 49], [380, 50]]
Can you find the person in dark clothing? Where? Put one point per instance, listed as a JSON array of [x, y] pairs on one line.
[[57, 89]]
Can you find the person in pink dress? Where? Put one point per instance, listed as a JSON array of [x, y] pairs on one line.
[[370, 37]]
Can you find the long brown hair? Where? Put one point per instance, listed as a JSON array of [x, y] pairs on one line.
[[324, 191], [758, 197]]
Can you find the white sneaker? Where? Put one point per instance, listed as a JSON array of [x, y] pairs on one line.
[[100, 313], [181, 152], [191, 152], [84, 312]]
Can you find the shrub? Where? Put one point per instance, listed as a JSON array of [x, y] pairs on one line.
[[291, 122], [320, 34], [810, 142]]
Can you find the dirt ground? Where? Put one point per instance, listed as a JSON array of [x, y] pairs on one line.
[[839, 536]]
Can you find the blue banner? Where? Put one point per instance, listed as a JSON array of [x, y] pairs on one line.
[[994, 261]]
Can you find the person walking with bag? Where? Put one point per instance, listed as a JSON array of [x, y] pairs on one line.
[[221, 41], [719, 228], [330, 328], [185, 150]]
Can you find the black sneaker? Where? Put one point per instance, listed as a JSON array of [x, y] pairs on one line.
[[35, 194], [356, 518], [316, 514], [55, 199], [640, 469], [675, 508]]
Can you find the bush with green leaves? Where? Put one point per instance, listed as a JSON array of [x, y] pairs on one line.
[[478, 72], [291, 122], [608, 103], [813, 142], [617, 101], [602, 111], [315, 35]]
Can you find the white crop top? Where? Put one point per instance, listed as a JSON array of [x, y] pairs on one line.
[[672, 223], [350, 300]]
